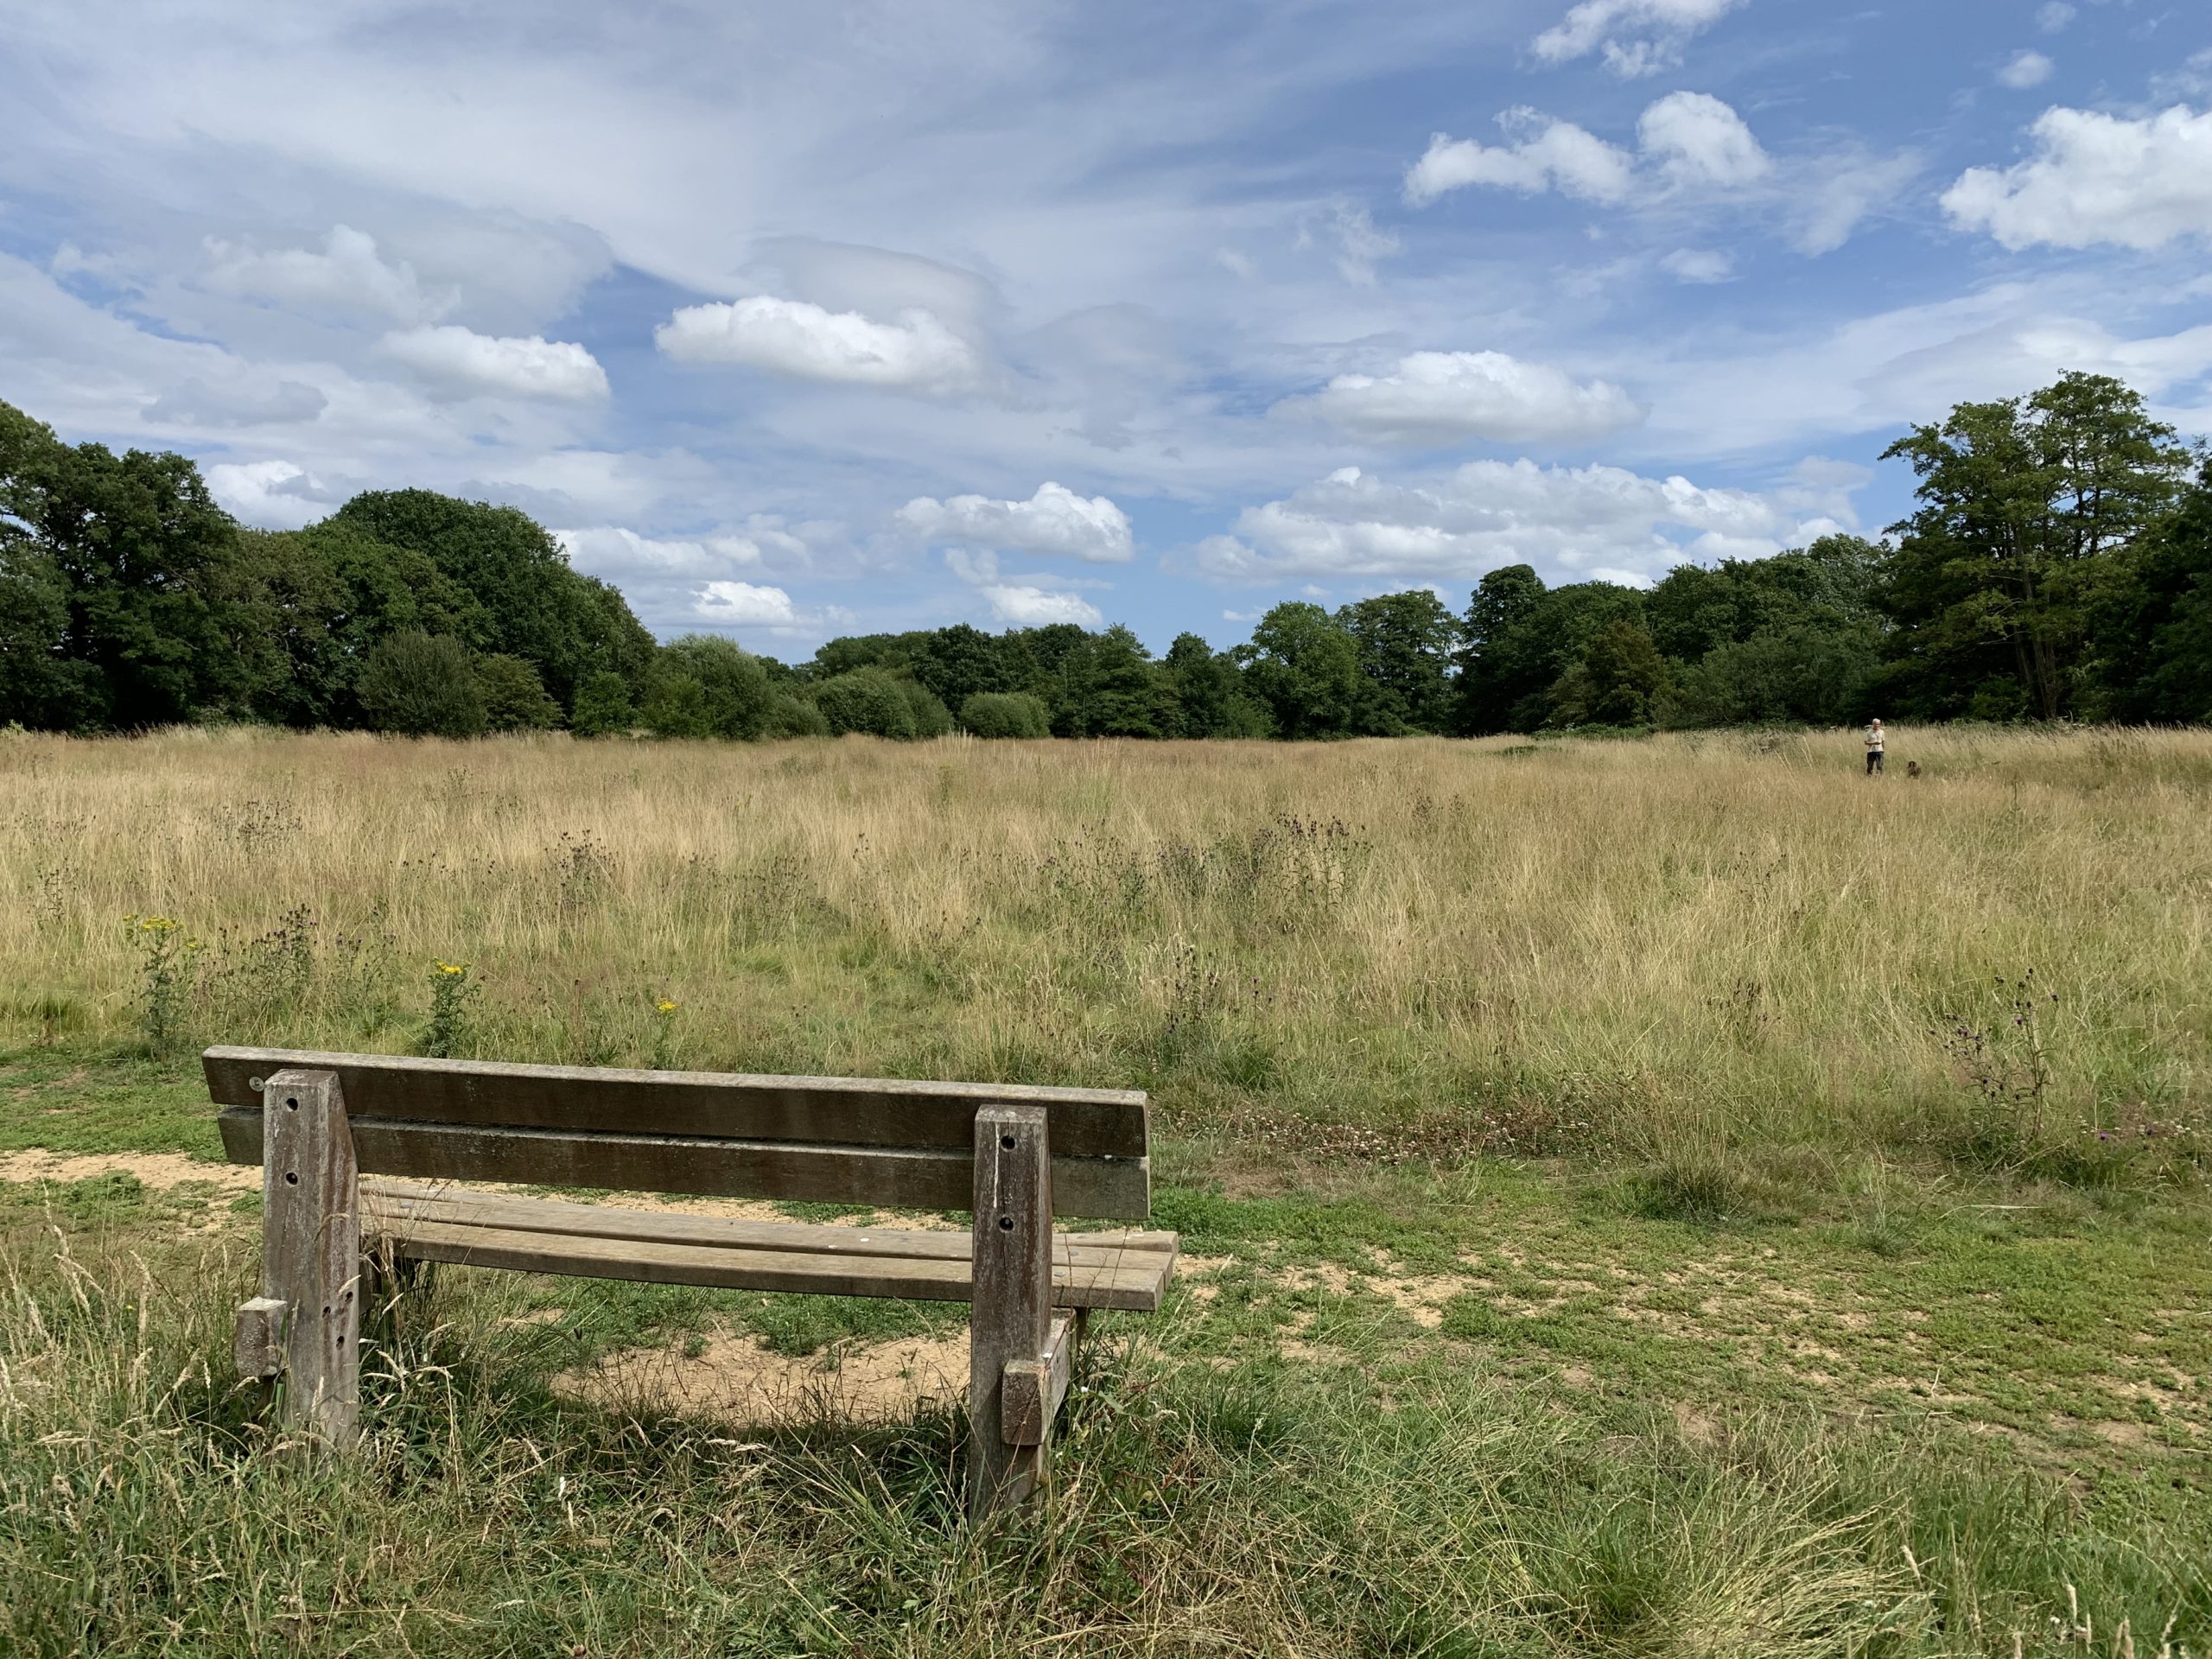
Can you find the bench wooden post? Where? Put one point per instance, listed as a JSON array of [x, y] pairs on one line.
[[1011, 1316], [306, 1324]]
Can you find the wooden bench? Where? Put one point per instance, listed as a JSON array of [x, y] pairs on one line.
[[1016, 1157]]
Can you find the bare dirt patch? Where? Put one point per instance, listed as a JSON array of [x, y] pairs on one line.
[[739, 1381], [159, 1170]]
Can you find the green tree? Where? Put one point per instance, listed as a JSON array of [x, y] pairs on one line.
[[535, 607], [1005, 713], [423, 685], [514, 697], [1407, 645], [867, 699], [1620, 680], [1209, 691], [732, 696], [1304, 668], [2150, 621], [1110, 687], [2022, 505], [1522, 638], [603, 706], [129, 544]]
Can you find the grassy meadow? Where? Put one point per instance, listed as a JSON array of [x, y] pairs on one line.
[[1673, 1196]]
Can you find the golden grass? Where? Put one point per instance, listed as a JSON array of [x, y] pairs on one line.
[[1706, 936]]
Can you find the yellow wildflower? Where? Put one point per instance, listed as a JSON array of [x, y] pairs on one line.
[[453, 969], [664, 1006]]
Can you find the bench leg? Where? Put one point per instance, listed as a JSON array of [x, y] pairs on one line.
[[306, 1324], [1011, 1316]]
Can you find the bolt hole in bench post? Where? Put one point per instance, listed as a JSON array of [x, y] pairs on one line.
[[320, 1123]]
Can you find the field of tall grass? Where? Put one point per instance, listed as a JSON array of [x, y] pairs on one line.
[[1665, 949], [1676, 1197]]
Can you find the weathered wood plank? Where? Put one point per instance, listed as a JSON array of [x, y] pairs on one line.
[[1134, 1287], [889, 1112], [896, 1178], [390, 1202], [311, 1251], [1013, 1305], [1030, 1396], [257, 1340]]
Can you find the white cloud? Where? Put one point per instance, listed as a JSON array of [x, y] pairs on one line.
[[1033, 608], [1487, 513], [2139, 183], [271, 494], [1697, 139], [1055, 521], [1829, 198], [2023, 70], [460, 362], [1441, 397], [1637, 37], [2054, 17], [612, 551], [246, 401], [914, 352], [742, 604], [1557, 156], [1359, 246], [348, 275], [1698, 265]]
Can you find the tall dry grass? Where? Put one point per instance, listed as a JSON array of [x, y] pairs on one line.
[[1690, 940]]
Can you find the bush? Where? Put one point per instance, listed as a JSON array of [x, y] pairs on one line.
[[866, 700], [514, 696], [1005, 714], [732, 697], [602, 705], [932, 717], [422, 685], [790, 716]]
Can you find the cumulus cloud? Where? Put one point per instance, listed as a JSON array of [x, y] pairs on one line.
[[1442, 398], [1554, 155], [1055, 521], [1569, 521], [1637, 37], [2023, 70], [270, 495], [1017, 606], [612, 552], [1697, 139], [2139, 183], [462, 363], [347, 275], [195, 403], [2054, 17], [913, 353], [743, 605]]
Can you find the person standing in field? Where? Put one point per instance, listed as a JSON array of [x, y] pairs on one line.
[[1873, 747]]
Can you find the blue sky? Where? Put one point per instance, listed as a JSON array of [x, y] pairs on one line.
[[801, 320]]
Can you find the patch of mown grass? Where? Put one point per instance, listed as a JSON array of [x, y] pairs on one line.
[[94, 1100]]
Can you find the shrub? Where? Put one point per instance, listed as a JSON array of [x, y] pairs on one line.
[[1005, 714], [866, 700], [734, 697], [791, 716], [932, 717], [602, 705], [514, 695], [422, 685]]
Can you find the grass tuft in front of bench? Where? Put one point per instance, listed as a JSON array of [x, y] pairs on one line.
[[318, 1123]]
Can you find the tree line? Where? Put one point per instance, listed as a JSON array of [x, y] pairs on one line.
[[2058, 564]]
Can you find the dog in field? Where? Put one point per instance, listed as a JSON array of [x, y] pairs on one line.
[[1912, 768]]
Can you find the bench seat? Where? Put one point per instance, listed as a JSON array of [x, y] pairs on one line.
[[1127, 1270]]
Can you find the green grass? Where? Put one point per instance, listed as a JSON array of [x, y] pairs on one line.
[[1481, 1408]]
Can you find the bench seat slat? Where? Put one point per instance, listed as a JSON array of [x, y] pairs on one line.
[[892, 1178], [1135, 1286], [855, 1111], [397, 1202]]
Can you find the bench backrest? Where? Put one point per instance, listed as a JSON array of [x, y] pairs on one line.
[[836, 1140]]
